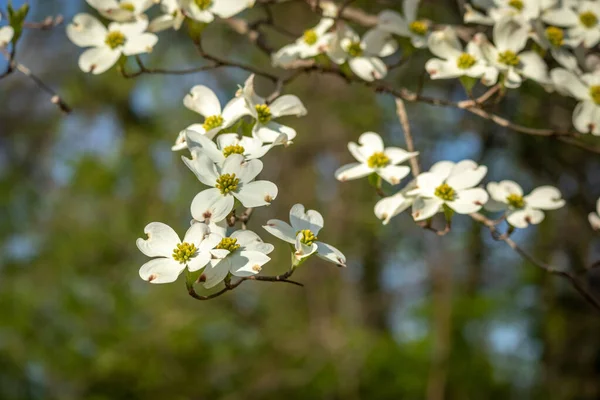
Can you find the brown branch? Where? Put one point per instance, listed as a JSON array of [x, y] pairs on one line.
[[410, 146], [47, 24]]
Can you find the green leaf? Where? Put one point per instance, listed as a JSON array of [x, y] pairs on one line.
[[468, 82], [16, 18]]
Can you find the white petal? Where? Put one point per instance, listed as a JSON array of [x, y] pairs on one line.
[[352, 171], [357, 153], [161, 270], [287, 105], [522, 218], [199, 261], [246, 171], [139, 44], [389, 207], [196, 234], [247, 263], [202, 166], [368, 68], [371, 143], [379, 43], [391, 21], [85, 31], [443, 168], [534, 67], [510, 35], [442, 69], [272, 131], [229, 8], [211, 205], [469, 201], [234, 110], [594, 221], [251, 241], [212, 240], [202, 100], [303, 250], [196, 140], [161, 242], [98, 60], [281, 230], [257, 193], [568, 82], [6, 35], [545, 198], [300, 220], [586, 117], [410, 8], [329, 253], [216, 271], [423, 208], [393, 174], [426, 183], [467, 178], [130, 29], [501, 190], [445, 44], [398, 155]]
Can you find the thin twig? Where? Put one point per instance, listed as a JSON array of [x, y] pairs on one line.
[[410, 146]]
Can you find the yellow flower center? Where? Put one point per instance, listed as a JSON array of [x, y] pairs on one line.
[[310, 37], [212, 122], [354, 49], [515, 200], [378, 160], [227, 183], [588, 19], [418, 28], [184, 252], [509, 58], [264, 113], [115, 39], [465, 61], [595, 94], [516, 4], [203, 4], [555, 36], [127, 6], [233, 149], [228, 244], [445, 192], [308, 238]]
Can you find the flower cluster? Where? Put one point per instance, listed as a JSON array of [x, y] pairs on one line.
[[229, 166]]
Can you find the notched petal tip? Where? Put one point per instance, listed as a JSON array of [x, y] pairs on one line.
[[257, 268], [152, 277]]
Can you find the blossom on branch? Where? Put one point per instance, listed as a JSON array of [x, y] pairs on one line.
[[581, 21], [302, 234], [388, 207], [206, 10], [172, 17], [373, 158], [121, 10], [108, 45], [522, 211], [407, 26], [313, 42], [226, 145], [586, 89]]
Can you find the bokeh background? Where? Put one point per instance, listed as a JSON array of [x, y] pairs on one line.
[[413, 316]]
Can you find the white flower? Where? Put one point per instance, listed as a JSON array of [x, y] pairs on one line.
[[305, 226], [172, 17], [6, 35], [449, 184], [241, 254], [206, 10], [121, 10], [173, 255], [583, 23], [227, 145], [510, 38], [205, 102], [586, 89], [265, 128], [233, 180], [522, 210], [407, 26], [454, 61], [108, 44], [372, 158], [594, 218], [496, 10], [363, 55], [557, 41], [388, 207], [315, 41]]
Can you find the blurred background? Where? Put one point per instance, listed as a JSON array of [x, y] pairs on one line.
[[413, 316]]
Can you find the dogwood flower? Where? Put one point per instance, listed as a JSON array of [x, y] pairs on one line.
[[121, 10], [449, 185], [313, 42], [372, 158], [522, 210], [241, 254], [557, 41], [407, 26], [362, 55], [6, 35], [205, 102], [206, 10], [510, 38], [586, 89], [107, 45], [454, 61], [594, 218], [496, 10], [233, 180], [305, 226], [265, 128], [172, 17], [226, 145], [583, 22], [172, 255], [388, 207]]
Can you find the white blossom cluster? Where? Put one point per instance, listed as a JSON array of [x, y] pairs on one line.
[[229, 166]]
